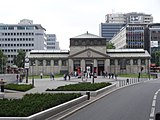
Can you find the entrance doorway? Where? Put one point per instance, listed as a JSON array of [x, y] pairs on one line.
[[100, 66]]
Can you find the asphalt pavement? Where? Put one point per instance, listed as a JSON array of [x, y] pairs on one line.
[[40, 85]]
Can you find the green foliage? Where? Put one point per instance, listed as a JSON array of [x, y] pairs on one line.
[[110, 45], [81, 87], [19, 59], [3, 61], [157, 57], [32, 103], [19, 87]]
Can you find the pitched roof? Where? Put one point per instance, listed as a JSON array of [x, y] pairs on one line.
[[87, 35]]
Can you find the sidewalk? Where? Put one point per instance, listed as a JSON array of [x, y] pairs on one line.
[[42, 84]]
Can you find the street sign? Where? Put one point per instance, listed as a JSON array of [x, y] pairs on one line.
[[26, 65]]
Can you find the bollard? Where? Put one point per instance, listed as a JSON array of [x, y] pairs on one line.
[[127, 81], [157, 116], [88, 94]]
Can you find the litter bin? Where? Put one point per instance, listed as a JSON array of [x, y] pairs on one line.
[[2, 85]]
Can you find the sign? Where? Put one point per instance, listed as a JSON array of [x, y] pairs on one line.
[[154, 43], [26, 65]]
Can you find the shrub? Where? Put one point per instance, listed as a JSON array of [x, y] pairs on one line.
[[32, 103], [18, 87], [81, 87]]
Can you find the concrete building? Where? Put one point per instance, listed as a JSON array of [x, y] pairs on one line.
[[132, 17], [115, 21], [52, 43], [88, 53], [108, 30], [25, 35], [130, 37], [152, 38]]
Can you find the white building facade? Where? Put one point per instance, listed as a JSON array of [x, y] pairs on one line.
[[132, 17], [52, 43], [24, 35], [89, 51]]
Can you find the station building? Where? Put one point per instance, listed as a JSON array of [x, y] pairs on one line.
[[88, 53]]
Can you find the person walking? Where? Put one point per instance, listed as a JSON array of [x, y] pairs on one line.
[[53, 76], [41, 75]]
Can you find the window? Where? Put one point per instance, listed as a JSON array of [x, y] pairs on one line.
[[40, 62], [135, 61], [48, 62], [143, 62], [112, 62], [128, 62], [21, 28], [55, 62], [11, 28], [64, 63]]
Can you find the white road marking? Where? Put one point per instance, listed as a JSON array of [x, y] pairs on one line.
[[153, 103], [155, 97], [152, 112]]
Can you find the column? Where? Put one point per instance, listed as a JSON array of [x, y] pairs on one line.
[[83, 65]]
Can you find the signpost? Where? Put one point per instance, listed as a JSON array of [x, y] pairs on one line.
[[26, 66]]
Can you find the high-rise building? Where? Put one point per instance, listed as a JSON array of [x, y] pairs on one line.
[[108, 30], [115, 21], [132, 17], [52, 43], [24, 35], [152, 38], [130, 37]]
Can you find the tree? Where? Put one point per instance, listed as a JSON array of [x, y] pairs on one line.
[[110, 45], [157, 53], [19, 59], [3, 61]]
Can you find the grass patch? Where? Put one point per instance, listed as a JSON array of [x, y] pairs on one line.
[[18, 87], [81, 87], [33, 103]]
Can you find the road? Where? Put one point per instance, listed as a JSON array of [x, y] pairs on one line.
[[137, 102]]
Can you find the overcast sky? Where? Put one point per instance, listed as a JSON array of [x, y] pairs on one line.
[[69, 18]]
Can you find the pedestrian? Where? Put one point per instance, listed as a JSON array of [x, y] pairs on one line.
[[116, 76], [41, 75], [112, 74], [106, 74], [65, 76], [69, 76], [109, 75], [17, 77], [52, 76]]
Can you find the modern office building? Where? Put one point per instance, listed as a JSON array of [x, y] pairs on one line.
[[115, 21], [130, 37], [88, 53], [152, 38], [108, 30], [24, 35], [52, 43], [132, 17]]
